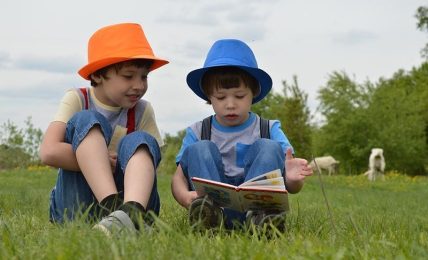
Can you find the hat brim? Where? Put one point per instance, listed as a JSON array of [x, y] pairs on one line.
[[90, 68], [194, 79]]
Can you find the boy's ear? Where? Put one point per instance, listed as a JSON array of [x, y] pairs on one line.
[[96, 78]]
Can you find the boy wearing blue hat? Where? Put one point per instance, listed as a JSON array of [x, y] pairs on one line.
[[231, 146]]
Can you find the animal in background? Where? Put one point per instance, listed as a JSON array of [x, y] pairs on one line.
[[376, 165], [327, 163]]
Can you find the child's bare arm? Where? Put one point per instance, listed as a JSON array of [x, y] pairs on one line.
[[54, 151], [179, 188]]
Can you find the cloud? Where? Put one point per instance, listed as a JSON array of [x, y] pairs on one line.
[[193, 27], [248, 33], [57, 64], [66, 65], [36, 85], [4, 60], [354, 36], [34, 77], [194, 50], [247, 13], [189, 13], [222, 17]]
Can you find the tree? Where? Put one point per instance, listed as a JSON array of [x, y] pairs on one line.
[[290, 108], [297, 119], [19, 147], [393, 115], [169, 151], [422, 25], [343, 103], [398, 116]]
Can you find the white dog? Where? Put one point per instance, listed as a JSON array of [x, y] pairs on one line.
[[376, 165], [327, 163]]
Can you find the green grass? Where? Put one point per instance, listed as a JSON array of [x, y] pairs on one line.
[[382, 220]]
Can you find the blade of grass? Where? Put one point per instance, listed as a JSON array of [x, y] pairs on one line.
[[330, 213]]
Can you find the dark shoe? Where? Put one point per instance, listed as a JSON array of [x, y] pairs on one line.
[[264, 220], [138, 214], [108, 205], [204, 214]]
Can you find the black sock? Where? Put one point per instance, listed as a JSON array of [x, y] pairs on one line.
[[135, 211], [109, 204]]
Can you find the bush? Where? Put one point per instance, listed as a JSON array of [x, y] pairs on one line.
[[169, 151], [19, 147]]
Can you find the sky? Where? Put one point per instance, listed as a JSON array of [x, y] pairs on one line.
[[44, 44]]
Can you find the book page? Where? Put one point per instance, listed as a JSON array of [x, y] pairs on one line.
[[266, 188], [269, 175], [267, 182], [211, 182]]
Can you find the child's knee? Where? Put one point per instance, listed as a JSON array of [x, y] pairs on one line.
[[139, 141], [137, 138], [83, 122]]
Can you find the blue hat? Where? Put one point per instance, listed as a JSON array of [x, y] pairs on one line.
[[230, 52]]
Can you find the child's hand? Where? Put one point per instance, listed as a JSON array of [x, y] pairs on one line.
[[113, 160], [296, 169]]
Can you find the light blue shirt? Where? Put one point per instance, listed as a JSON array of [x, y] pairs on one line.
[[234, 142]]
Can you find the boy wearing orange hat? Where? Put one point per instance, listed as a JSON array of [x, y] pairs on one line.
[[233, 145], [104, 139]]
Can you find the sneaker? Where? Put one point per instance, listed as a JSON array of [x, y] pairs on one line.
[[203, 214], [265, 219], [117, 222]]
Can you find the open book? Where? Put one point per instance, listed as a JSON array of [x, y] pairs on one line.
[[264, 192]]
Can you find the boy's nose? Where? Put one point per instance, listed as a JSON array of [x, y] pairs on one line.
[[140, 84], [230, 103]]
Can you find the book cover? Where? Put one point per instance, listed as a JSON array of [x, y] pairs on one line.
[[264, 192]]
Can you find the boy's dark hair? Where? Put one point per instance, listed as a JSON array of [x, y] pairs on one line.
[[139, 63], [227, 77]]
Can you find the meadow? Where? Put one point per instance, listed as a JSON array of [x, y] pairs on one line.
[[380, 220]]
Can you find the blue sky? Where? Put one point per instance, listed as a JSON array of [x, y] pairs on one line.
[[44, 42]]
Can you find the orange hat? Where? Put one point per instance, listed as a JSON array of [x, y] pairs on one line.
[[117, 43]]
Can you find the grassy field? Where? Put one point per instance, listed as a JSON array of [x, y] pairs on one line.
[[382, 220]]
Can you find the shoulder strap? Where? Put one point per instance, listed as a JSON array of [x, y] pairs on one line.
[[85, 96], [264, 128], [206, 129], [130, 120]]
